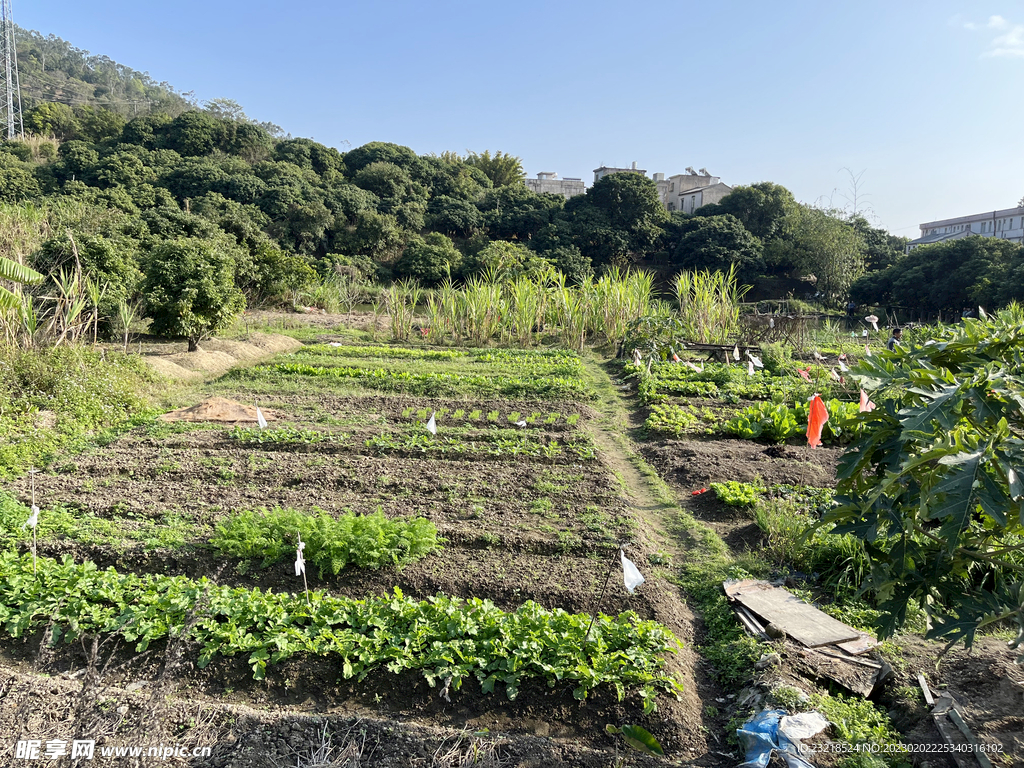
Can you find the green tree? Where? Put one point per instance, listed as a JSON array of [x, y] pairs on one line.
[[515, 213], [946, 277], [935, 486], [17, 182], [620, 218], [717, 244], [453, 216], [190, 288], [504, 257], [53, 119], [193, 134], [501, 168], [429, 259], [828, 248], [767, 210]]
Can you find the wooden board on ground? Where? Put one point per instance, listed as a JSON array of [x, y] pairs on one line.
[[801, 621], [861, 645], [849, 672]]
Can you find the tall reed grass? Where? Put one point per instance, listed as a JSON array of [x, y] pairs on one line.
[[709, 305], [523, 310]]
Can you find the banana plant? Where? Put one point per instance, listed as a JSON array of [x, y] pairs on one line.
[[18, 274]]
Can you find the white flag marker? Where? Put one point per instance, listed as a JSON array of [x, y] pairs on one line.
[[630, 573], [843, 367], [33, 518], [521, 423], [432, 424], [695, 367], [771, 322], [750, 367], [300, 565], [755, 360], [636, 358], [873, 320], [259, 418], [736, 353], [336, 344]]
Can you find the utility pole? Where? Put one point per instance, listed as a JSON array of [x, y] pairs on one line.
[[10, 109]]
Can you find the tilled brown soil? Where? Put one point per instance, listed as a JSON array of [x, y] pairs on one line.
[[692, 464], [241, 736], [516, 529]]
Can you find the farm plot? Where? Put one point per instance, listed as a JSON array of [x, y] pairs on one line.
[[711, 422], [462, 563], [732, 446]]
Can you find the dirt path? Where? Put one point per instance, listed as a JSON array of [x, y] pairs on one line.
[[661, 511]]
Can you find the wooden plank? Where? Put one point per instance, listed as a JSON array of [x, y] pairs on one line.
[[862, 644], [801, 621], [959, 723], [851, 659], [945, 728], [928, 698], [815, 665]]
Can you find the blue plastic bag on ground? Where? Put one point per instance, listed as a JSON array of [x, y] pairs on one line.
[[760, 737]]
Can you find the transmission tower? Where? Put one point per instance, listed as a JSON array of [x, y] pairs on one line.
[[10, 110]]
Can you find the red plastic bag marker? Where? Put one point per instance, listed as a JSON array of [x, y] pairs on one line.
[[817, 419], [702, 490]]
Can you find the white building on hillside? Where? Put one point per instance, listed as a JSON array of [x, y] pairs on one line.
[[688, 191], [605, 170], [1007, 224], [548, 181]]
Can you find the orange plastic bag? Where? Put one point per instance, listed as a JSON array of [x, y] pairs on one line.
[[818, 417]]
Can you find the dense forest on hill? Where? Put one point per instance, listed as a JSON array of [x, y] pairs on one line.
[[286, 213], [53, 70]]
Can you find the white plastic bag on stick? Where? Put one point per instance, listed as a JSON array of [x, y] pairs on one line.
[[432, 424], [259, 418], [630, 573], [33, 519]]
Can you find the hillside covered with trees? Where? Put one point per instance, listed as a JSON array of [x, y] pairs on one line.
[[125, 192]]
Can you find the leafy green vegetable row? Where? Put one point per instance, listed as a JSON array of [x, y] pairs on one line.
[[436, 383], [501, 443], [366, 541], [726, 382], [441, 637], [774, 421]]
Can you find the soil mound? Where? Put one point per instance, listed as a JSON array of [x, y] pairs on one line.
[[218, 409], [217, 356]]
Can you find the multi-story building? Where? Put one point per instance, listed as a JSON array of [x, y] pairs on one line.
[[549, 182], [1007, 224], [604, 170], [688, 191]]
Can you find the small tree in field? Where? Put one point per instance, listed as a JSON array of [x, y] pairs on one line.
[[190, 288], [935, 487]]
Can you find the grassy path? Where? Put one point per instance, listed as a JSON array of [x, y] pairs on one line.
[[671, 530]]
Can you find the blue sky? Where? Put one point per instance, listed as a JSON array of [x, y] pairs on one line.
[[926, 98]]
